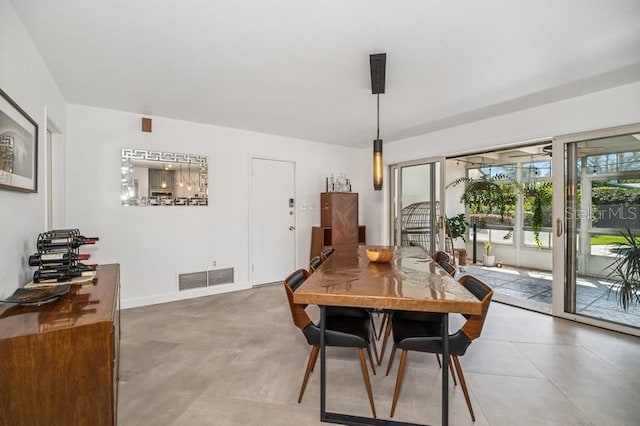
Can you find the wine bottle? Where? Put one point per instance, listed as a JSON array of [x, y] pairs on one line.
[[38, 259], [78, 267], [62, 233], [54, 276], [64, 243], [79, 238]]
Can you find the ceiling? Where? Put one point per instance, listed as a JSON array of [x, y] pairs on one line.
[[301, 68]]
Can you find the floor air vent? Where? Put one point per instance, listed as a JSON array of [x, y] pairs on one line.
[[204, 279]]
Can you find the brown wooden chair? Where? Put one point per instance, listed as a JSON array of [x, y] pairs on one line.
[[340, 331], [427, 337]]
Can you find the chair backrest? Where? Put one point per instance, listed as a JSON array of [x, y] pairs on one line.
[[326, 253], [451, 270], [315, 263], [440, 256], [291, 283], [473, 327]]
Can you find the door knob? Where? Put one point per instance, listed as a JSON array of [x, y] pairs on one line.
[[291, 228]]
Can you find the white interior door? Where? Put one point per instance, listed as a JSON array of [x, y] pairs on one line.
[[272, 220]]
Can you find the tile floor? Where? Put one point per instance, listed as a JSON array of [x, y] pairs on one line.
[[237, 359], [531, 289]]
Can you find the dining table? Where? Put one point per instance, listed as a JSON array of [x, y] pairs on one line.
[[410, 281]]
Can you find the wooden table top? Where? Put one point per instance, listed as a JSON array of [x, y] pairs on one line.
[[412, 281], [84, 304]]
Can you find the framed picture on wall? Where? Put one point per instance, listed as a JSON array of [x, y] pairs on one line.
[[18, 147]]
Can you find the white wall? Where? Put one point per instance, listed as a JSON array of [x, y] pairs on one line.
[[152, 244], [26, 79], [607, 108]]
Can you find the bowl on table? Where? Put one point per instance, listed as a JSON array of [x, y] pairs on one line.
[[380, 254]]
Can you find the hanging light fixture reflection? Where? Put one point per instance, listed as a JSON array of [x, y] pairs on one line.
[[189, 177], [377, 64], [181, 183], [163, 183]]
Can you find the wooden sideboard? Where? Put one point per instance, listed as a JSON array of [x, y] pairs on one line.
[[59, 361], [338, 222]]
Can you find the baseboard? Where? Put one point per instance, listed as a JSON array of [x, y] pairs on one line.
[[182, 295]]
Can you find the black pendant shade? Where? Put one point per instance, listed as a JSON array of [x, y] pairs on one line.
[[378, 64]]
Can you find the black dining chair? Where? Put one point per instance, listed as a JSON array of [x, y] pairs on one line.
[[449, 268], [441, 256], [340, 331], [315, 263], [427, 337], [414, 316], [346, 311], [324, 254]]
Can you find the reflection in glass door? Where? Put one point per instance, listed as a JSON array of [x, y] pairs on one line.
[[417, 195], [601, 227]]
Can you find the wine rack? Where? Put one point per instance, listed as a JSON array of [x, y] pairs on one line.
[[58, 258]]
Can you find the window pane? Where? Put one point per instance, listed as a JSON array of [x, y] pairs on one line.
[[498, 236], [536, 170], [545, 239]]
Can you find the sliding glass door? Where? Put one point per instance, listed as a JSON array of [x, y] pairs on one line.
[[417, 202], [597, 225]]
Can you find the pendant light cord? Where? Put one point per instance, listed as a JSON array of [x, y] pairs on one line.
[[378, 125]]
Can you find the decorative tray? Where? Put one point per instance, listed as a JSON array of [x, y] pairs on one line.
[[37, 296]]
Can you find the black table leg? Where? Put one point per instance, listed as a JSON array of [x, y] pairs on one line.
[[445, 369], [323, 390]]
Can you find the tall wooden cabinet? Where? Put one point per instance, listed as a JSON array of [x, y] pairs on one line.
[[59, 361], [338, 222]]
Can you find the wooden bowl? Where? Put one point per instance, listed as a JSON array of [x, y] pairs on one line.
[[380, 255]]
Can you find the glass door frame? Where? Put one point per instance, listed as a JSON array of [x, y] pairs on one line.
[[395, 203], [563, 266]]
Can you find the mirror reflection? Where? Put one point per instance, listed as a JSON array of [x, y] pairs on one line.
[[155, 178]]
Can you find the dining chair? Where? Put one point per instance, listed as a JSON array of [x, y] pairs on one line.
[[346, 311], [449, 268], [324, 254], [340, 331], [441, 256], [427, 337], [315, 263], [413, 316]]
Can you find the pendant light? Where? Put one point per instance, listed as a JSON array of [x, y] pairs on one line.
[[377, 64]]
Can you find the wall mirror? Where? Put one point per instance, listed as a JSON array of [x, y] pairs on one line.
[[156, 178]]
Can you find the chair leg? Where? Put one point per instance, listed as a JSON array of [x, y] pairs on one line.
[[373, 324], [375, 348], [373, 368], [367, 382], [393, 354], [396, 391], [387, 333], [311, 362], [453, 374], [463, 384], [385, 318]]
